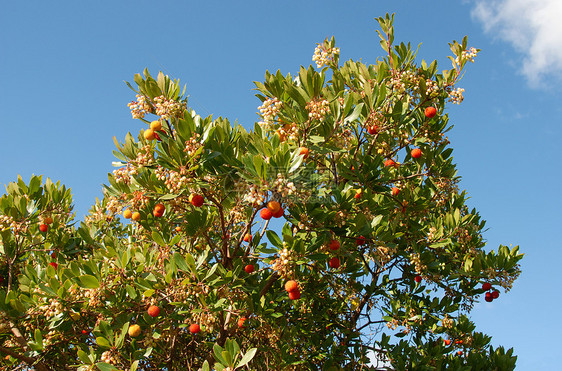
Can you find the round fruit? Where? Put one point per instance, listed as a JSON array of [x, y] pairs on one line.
[[389, 162], [358, 194], [294, 295], [334, 263], [136, 216], [196, 200], [84, 332], [54, 265], [43, 228], [241, 321], [430, 112], [249, 268], [178, 229], [53, 255], [486, 286], [127, 214], [273, 206], [395, 191], [373, 129], [247, 237], [149, 134], [291, 285], [360, 240], [134, 331], [334, 245], [447, 342], [488, 297], [416, 153], [153, 311], [48, 220], [418, 278], [157, 214], [304, 152], [160, 208], [279, 213], [495, 294], [266, 214], [156, 125], [194, 328]]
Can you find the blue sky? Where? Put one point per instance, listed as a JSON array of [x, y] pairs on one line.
[[62, 99]]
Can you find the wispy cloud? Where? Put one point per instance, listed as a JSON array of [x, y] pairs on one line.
[[533, 27]]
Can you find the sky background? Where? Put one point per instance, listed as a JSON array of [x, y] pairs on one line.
[[62, 99]]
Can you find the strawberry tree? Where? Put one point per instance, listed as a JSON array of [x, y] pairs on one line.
[[332, 235]]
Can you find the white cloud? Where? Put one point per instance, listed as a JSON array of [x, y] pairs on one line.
[[533, 27]]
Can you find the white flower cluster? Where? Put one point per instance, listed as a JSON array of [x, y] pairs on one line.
[[192, 145], [317, 109], [268, 110], [469, 55], [110, 356], [323, 56], [140, 107], [288, 131], [282, 264], [175, 181], [432, 87], [456, 95], [255, 196], [166, 108], [283, 187]]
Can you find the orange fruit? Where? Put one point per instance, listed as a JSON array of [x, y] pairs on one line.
[[194, 328], [416, 153], [291, 285], [127, 214], [153, 311], [304, 152], [266, 214], [134, 331], [149, 134], [196, 199], [156, 125], [273, 206], [136, 216], [430, 112]]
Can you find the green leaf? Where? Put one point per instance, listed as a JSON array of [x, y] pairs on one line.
[[217, 350], [247, 357], [103, 342], [157, 237], [89, 282], [106, 367]]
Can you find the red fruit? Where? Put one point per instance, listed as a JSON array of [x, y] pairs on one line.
[[194, 328], [334, 245], [495, 294], [266, 214], [241, 321], [157, 214], [48, 220], [54, 265], [273, 206], [291, 285], [334, 263], [196, 200], [486, 286], [249, 268], [54, 255], [43, 228], [416, 153], [304, 152], [247, 237], [458, 341], [84, 332], [373, 129], [418, 278], [395, 191], [430, 112], [459, 352], [488, 297], [358, 194], [279, 213], [447, 342], [160, 208], [389, 162], [360, 240], [153, 311], [294, 295]]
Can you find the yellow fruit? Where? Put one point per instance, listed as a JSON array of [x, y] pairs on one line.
[[127, 214], [134, 331], [149, 134], [156, 125], [136, 216]]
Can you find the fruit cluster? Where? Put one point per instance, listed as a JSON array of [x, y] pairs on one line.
[[490, 294]]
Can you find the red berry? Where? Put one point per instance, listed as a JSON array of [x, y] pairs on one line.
[[447, 342], [194, 328], [488, 297], [54, 265], [373, 129], [334, 245], [291, 285], [279, 213], [294, 295], [389, 162], [430, 112], [495, 294], [247, 237], [153, 311], [418, 278], [334, 263], [360, 240], [84, 332], [266, 214], [358, 194], [241, 321], [249, 268], [486, 286], [395, 191], [416, 153], [43, 228], [196, 200]]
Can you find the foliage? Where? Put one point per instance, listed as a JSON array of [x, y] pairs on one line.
[[362, 173]]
